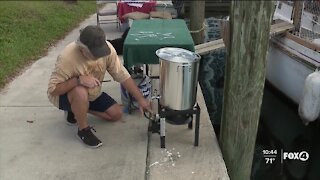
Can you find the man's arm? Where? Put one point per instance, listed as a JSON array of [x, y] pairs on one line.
[[120, 74], [65, 87], [86, 81], [130, 85]]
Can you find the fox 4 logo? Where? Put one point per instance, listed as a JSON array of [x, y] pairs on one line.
[[302, 156]]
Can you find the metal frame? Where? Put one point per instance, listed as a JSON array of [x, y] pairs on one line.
[[158, 125], [101, 13]]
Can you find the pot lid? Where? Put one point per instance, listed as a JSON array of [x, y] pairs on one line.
[[177, 55]]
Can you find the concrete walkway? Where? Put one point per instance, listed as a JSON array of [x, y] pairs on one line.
[[37, 144]]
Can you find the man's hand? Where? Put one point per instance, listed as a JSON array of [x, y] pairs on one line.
[[144, 105], [89, 81]]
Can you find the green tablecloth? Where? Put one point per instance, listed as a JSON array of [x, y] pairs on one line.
[[147, 36]]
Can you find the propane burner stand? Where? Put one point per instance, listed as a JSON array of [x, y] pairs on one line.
[[159, 124]]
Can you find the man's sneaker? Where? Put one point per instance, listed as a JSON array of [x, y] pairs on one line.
[[70, 118], [89, 138]]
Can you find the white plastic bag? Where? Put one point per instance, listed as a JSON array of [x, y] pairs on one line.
[[144, 85], [309, 106]]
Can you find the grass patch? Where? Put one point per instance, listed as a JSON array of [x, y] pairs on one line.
[[28, 28]]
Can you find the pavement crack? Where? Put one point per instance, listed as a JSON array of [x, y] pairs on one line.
[[147, 169]]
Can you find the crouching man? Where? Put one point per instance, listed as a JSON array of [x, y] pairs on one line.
[[75, 83]]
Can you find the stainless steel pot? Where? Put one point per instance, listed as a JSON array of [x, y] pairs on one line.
[[178, 77]]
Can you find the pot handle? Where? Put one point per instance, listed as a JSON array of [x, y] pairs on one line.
[[184, 65], [197, 56]]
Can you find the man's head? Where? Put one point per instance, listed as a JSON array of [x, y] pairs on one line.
[[94, 39]]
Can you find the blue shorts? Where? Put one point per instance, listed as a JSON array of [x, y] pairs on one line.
[[101, 104]]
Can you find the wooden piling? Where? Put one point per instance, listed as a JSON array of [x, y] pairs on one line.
[[197, 10], [297, 13], [244, 82]]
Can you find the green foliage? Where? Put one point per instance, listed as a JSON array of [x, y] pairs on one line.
[[28, 28]]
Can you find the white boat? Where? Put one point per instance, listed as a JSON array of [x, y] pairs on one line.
[[292, 58], [288, 65]]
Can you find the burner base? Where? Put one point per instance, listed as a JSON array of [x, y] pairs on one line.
[[177, 117]]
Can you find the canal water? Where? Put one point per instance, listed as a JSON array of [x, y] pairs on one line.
[[281, 131]]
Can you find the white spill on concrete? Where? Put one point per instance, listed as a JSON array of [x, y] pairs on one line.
[[168, 158]]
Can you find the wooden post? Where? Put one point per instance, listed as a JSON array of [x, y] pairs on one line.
[[245, 75], [297, 13], [197, 10]]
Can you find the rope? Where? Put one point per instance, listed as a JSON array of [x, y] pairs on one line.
[[204, 26]]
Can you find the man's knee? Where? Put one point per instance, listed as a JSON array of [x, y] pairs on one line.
[[78, 93], [115, 112]]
